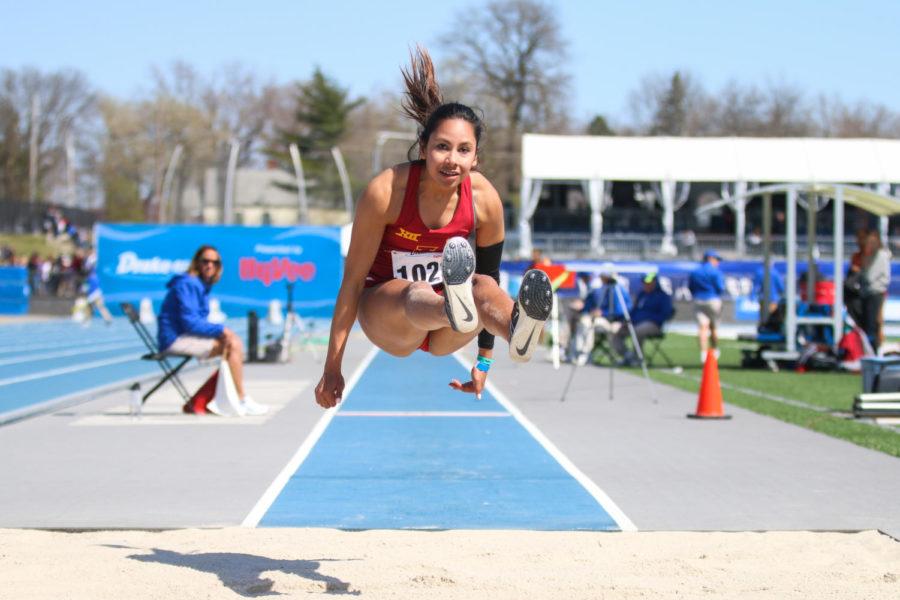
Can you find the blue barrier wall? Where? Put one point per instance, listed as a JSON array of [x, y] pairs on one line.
[[136, 261], [673, 276], [14, 291]]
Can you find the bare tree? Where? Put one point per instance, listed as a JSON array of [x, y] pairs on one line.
[[513, 60], [678, 105], [863, 119], [67, 107], [786, 112]]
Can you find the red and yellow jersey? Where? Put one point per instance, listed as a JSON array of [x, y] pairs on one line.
[[409, 249]]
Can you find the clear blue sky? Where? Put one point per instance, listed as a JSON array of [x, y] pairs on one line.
[[849, 48]]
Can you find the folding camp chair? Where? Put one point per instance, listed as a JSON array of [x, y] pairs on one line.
[[654, 342], [162, 359], [601, 352]]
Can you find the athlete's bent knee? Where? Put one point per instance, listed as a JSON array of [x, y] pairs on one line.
[[415, 288]]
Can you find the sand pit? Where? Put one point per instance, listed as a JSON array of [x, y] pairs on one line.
[[234, 563]]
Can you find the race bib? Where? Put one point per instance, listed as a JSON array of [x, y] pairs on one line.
[[417, 266]]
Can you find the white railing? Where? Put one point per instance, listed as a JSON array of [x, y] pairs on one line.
[[640, 246]]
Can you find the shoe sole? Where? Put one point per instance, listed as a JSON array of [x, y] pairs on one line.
[[457, 270], [529, 315]]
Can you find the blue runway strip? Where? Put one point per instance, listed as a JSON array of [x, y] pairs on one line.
[[381, 464]]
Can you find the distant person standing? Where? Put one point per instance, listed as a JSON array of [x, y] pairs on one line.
[[875, 275], [707, 286], [94, 296], [853, 282]]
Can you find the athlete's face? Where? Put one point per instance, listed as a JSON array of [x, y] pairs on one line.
[[450, 153]]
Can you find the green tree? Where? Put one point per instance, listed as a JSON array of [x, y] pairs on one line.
[[320, 123], [123, 199], [599, 126], [671, 113], [13, 154]]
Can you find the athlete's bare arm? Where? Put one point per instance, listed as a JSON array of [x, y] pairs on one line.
[[489, 209], [373, 213]]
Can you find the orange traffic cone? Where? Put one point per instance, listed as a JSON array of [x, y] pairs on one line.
[[197, 404], [709, 404]]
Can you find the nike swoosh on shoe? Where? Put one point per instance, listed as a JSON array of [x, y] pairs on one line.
[[524, 347]]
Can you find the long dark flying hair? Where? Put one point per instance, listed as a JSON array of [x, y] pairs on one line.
[[424, 103], [194, 269]]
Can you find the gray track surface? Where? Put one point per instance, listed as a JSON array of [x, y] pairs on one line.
[[668, 472], [91, 466]]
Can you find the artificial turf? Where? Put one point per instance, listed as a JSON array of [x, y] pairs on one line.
[[828, 394]]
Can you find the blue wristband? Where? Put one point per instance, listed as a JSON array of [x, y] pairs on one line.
[[484, 364]]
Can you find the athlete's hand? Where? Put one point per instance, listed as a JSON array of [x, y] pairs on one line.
[[330, 389], [476, 385]]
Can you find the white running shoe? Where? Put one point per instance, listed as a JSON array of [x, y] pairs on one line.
[[531, 311], [252, 408], [457, 269]]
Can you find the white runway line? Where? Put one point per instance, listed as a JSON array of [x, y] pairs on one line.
[[422, 413], [64, 370], [268, 498], [605, 502], [44, 346], [72, 352]]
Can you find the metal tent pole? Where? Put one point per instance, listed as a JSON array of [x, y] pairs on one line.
[[838, 308], [767, 259], [812, 204], [791, 279]]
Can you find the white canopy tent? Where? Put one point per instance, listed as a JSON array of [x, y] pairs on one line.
[[595, 161], [863, 198]]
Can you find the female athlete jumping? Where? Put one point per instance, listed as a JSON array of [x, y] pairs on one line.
[[410, 276]]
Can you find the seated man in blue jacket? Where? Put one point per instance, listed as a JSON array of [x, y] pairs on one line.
[[652, 308], [184, 327]]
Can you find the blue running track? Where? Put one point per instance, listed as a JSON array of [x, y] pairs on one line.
[[406, 451], [44, 361]]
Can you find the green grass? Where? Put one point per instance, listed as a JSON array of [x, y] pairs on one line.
[[832, 392], [25, 244]]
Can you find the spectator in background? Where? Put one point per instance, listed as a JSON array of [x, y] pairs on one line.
[[34, 273], [46, 271], [184, 327], [91, 289], [707, 286], [573, 310], [688, 241], [603, 312], [773, 318], [853, 281], [538, 259], [776, 288], [875, 272], [652, 308]]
